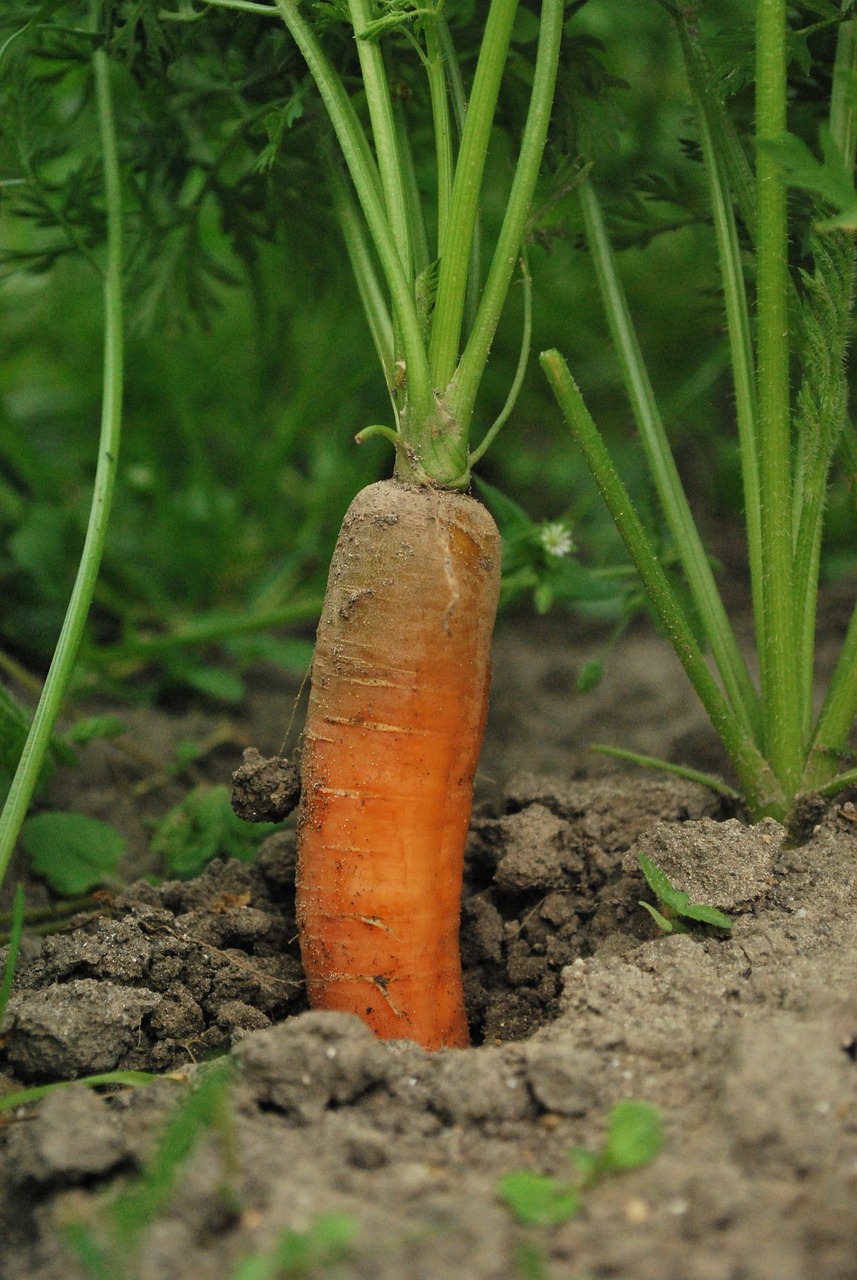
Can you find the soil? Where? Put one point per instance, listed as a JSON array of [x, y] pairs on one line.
[[744, 1039]]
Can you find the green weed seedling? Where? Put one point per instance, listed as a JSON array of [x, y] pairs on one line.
[[675, 903], [202, 826], [298, 1255], [107, 1245], [634, 1137]]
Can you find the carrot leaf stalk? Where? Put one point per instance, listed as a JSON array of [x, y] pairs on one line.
[[780, 748], [59, 674]]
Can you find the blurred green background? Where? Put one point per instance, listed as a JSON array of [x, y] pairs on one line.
[[249, 364]]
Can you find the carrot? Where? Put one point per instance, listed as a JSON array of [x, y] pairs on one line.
[[394, 728]]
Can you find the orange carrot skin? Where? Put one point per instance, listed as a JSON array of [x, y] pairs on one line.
[[394, 728]]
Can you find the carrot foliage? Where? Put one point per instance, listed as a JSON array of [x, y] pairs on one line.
[[777, 318]]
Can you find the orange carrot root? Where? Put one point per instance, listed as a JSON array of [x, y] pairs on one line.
[[394, 727]]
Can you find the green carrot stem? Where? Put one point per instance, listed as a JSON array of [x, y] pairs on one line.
[[461, 397], [363, 264], [458, 101], [726, 167], [763, 792], [724, 136], [697, 567], [837, 714], [59, 673], [367, 183], [843, 105], [457, 244], [379, 102], [782, 683], [520, 372], [412, 197], [439, 95]]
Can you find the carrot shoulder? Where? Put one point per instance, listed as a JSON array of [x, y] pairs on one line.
[[394, 728]]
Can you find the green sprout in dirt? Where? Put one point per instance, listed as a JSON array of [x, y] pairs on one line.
[[633, 1139], [780, 746], [107, 1246], [675, 905], [107, 1242]]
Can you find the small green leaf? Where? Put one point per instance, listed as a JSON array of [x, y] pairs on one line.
[[213, 682], [586, 1161], [635, 1135], [530, 1261], [657, 880], [707, 915], [677, 901], [543, 597], [93, 727], [668, 926], [72, 852], [590, 675], [538, 1200], [201, 827]]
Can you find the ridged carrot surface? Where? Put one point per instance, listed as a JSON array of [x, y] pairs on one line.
[[394, 728]]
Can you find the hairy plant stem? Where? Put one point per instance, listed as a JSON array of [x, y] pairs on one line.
[[782, 682], [761, 788], [59, 673], [733, 670]]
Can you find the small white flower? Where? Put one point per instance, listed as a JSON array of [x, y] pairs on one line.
[[555, 537]]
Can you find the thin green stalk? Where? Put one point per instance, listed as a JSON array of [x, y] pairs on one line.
[[827, 308], [209, 630], [843, 93], [456, 247], [733, 670], [462, 394], [362, 261], [412, 199], [520, 372], [378, 100], [48, 708], [837, 714], [782, 682], [709, 780], [834, 722], [760, 787], [16, 929], [726, 166], [459, 110], [439, 94], [364, 174], [724, 136]]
